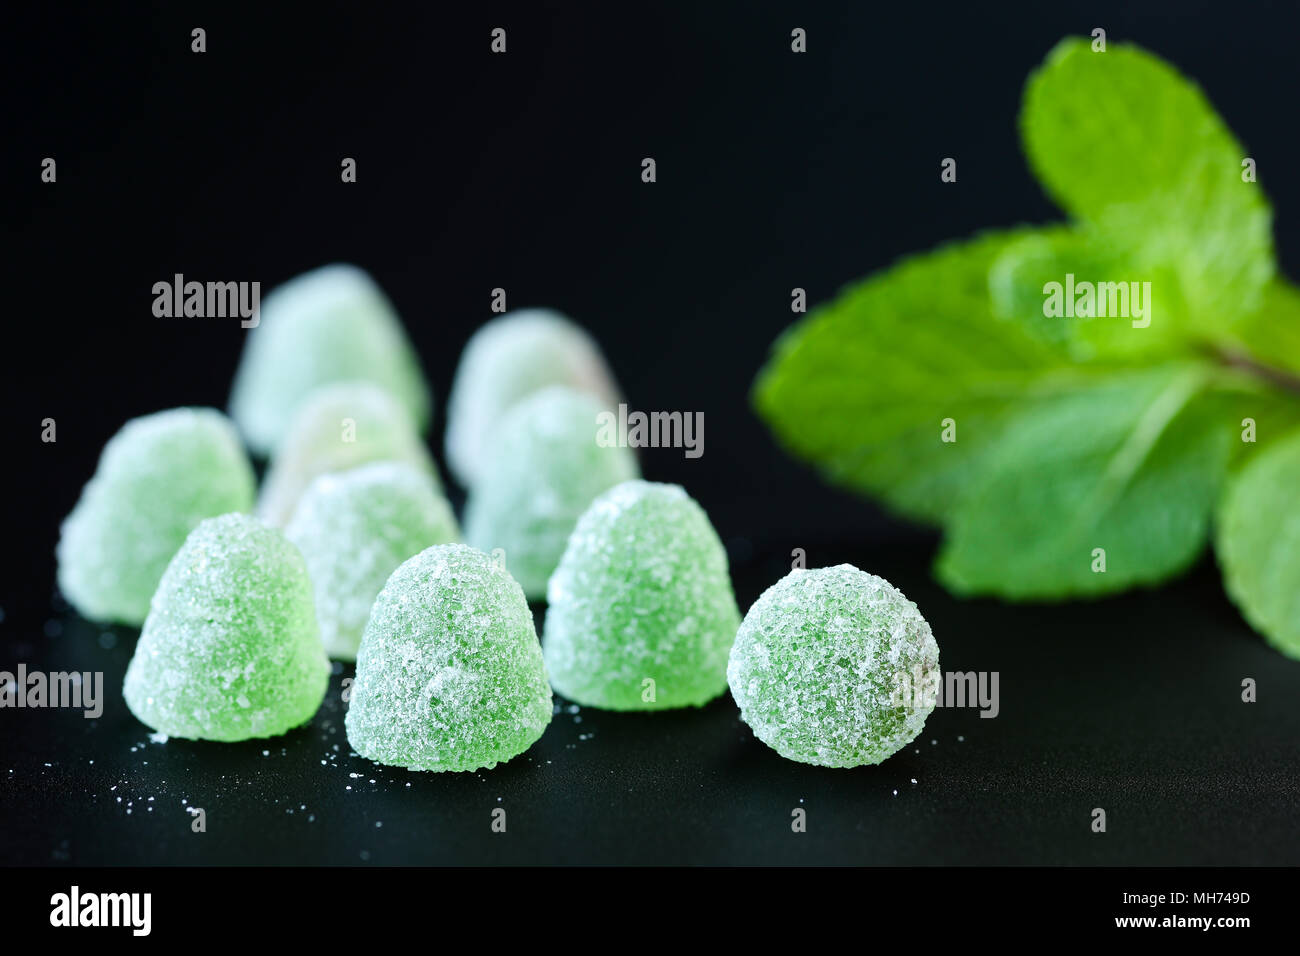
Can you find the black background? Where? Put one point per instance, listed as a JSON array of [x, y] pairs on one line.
[[522, 171]]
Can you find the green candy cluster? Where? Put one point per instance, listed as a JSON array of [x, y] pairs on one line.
[[641, 612], [354, 528], [339, 427], [506, 360], [240, 617], [449, 674], [157, 478], [230, 649], [833, 667], [333, 324]]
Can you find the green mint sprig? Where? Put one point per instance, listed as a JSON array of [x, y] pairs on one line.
[[1079, 455]]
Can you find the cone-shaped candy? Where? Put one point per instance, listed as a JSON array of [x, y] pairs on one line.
[[157, 478], [339, 427], [640, 612], [333, 324], [449, 675], [354, 528], [506, 360], [230, 649], [545, 465]]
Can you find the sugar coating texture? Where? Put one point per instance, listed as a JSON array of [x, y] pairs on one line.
[[354, 528], [819, 663], [333, 324], [230, 649], [506, 360], [157, 478], [339, 427], [449, 675], [641, 613], [544, 468]]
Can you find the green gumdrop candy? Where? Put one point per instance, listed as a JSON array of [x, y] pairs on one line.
[[157, 478], [545, 466], [354, 528], [339, 427], [834, 667], [508, 359], [333, 324], [449, 675], [640, 612], [230, 649]]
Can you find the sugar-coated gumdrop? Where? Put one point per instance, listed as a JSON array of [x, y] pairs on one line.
[[507, 359], [354, 528], [332, 324], [230, 649], [449, 675], [544, 467], [157, 478], [339, 427], [641, 613], [834, 667]]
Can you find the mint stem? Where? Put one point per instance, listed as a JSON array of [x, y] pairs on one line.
[[1256, 369]]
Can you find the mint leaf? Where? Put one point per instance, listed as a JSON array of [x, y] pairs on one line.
[[1078, 435], [1258, 543], [1119, 318], [1127, 145], [1124, 127], [1017, 276], [861, 386], [1130, 465]]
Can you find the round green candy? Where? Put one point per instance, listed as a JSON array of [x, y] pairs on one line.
[[449, 674], [506, 360], [354, 528], [544, 467], [339, 427], [157, 478], [333, 324], [641, 613], [834, 667], [230, 649]]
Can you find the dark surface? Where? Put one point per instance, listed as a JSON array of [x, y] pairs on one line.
[[1132, 705], [523, 172]]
